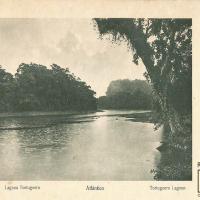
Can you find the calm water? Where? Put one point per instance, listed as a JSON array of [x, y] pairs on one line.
[[93, 146]]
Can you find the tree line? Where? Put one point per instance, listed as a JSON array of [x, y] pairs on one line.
[[35, 87], [127, 94]]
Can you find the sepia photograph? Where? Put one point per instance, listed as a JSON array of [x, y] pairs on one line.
[[96, 99]]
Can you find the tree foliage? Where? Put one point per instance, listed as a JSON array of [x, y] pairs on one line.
[[165, 48], [127, 94], [6, 89], [35, 87]]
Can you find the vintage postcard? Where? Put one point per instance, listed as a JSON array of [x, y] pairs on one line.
[[99, 100]]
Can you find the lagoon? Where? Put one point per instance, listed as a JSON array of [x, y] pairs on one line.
[[77, 146]]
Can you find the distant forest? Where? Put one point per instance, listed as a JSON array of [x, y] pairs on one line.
[[34, 87], [127, 94]]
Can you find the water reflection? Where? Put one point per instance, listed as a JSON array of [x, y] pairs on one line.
[[106, 147]]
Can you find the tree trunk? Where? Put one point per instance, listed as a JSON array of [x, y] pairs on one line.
[[159, 78]]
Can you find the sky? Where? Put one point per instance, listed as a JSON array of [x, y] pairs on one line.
[[71, 43]]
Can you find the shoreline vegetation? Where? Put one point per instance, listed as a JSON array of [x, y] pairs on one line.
[[35, 87]]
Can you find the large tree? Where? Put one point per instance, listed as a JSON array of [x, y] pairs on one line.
[[165, 48]]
